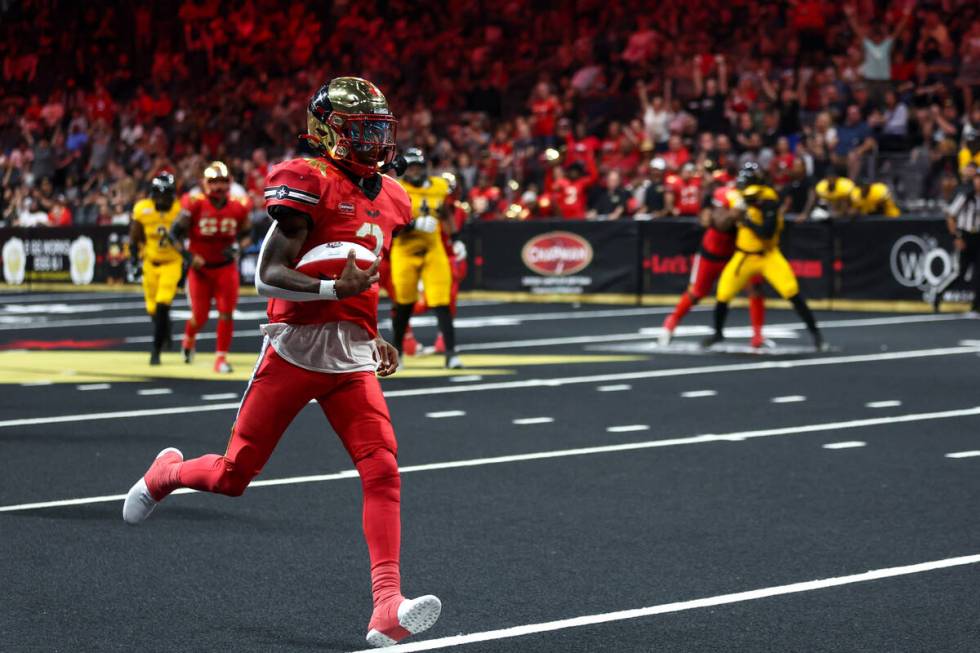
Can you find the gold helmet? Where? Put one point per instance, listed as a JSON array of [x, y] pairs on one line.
[[348, 120], [216, 171]]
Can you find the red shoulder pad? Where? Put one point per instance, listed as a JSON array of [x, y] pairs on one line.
[[294, 184]]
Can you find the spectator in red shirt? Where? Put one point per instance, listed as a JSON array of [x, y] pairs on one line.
[[677, 154], [569, 189], [781, 166], [60, 214], [546, 109], [685, 190]]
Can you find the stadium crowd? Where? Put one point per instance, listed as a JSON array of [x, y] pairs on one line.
[[582, 109]]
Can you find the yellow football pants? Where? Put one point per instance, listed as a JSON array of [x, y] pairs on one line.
[[772, 265], [413, 259], [160, 283]]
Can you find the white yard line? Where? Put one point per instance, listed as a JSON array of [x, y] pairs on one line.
[[149, 392], [851, 444], [619, 387], [93, 386], [546, 383], [446, 413], [963, 454], [220, 395], [526, 421], [890, 403], [681, 606], [788, 399], [628, 428], [695, 394], [737, 436]]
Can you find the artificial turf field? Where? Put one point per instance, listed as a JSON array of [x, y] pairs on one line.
[[577, 488]]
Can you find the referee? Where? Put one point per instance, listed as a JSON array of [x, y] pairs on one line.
[[963, 220]]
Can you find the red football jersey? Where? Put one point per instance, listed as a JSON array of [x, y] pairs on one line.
[[213, 229], [687, 195], [340, 211]]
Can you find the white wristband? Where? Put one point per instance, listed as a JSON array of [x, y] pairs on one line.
[[328, 290]]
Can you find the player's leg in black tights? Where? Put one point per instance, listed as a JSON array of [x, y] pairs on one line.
[[803, 310], [445, 320], [399, 323], [720, 315], [161, 328]]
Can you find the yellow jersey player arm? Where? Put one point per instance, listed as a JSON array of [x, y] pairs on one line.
[[769, 210], [137, 235]]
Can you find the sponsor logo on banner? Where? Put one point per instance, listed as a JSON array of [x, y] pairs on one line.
[[557, 254], [919, 262], [680, 265], [14, 261], [81, 259]]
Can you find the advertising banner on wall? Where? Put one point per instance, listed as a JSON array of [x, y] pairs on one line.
[[557, 257], [77, 255]]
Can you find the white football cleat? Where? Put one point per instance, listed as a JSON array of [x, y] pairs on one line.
[[414, 616], [453, 362], [665, 337], [139, 502]]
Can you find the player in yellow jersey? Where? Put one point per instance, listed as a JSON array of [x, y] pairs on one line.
[[873, 198], [418, 253], [833, 195], [757, 253], [149, 237]]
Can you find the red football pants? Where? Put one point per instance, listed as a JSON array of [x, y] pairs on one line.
[[356, 408], [204, 286]]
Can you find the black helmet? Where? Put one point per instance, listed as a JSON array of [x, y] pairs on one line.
[[163, 189], [749, 175], [414, 157]]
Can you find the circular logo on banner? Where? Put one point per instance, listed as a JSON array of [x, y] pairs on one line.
[[557, 253], [919, 262], [81, 261], [14, 261]]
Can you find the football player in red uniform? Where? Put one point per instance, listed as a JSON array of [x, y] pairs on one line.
[[216, 226], [717, 216], [322, 341]]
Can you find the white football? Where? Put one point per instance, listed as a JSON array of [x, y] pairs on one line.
[[327, 261]]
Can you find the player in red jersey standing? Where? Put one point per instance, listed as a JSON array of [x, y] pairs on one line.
[[322, 342], [685, 191], [216, 227], [717, 247]]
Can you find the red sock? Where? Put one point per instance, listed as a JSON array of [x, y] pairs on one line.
[[757, 314], [683, 306], [190, 335], [225, 329], [382, 522]]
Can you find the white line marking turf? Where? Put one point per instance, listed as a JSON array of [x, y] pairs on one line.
[[737, 436], [695, 394], [446, 413], [533, 420], [220, 395], [680, 606], [552, 382], [149, 392], [891, 403], [466, 378], [628, 428], [963, 454], [614, 388], [788, 399], [93, 386], [851, 444]]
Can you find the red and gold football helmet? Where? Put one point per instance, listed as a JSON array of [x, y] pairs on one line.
[[217, 181], [348, 120]]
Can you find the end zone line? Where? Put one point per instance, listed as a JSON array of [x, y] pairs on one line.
[[737, 436], [680, 606]]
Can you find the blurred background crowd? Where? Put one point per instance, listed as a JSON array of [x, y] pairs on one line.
[[583, 109]]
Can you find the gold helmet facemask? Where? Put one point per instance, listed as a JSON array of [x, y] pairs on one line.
[[217, 181], [349, 121]]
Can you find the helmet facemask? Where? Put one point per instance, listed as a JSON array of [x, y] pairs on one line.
[[360, 141]]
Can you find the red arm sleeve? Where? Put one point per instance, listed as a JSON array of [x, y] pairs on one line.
[[292, 184], [591, 172]]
